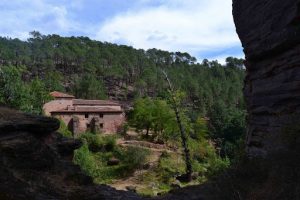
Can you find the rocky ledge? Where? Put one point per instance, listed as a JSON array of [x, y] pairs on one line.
[[36, 162]]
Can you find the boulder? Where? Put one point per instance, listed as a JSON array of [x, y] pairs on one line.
[[131, 188], [113, 161]]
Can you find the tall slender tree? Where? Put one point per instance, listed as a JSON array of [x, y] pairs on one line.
[[183, 134]]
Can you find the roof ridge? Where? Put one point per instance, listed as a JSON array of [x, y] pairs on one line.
[[61, 94]]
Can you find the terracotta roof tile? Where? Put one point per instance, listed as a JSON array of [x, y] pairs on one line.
[[94, 102], [60, 95], [90, 109]]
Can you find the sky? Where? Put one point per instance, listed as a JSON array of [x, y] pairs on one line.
[[203, 28]]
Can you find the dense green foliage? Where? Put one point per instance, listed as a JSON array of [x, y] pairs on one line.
[[225, 128], [98, 143], [152, 115], [96, 151], [28, 96], [123, 70]]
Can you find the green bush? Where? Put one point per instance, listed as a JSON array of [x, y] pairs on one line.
[[110, 142], [133, 157], [85, 160], [94, 163], [217, 165], [98, 142], [124, 129], [63, 129], [170, 166]]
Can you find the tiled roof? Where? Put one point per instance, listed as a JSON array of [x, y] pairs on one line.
[[60, 95], [90, 109], [94, 102]]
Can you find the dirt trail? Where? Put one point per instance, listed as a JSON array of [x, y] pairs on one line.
[[144, 144]]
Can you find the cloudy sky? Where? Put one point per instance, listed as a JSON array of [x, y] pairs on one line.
[[203, 28]]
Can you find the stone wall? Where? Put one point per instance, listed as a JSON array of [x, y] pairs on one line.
[[270, 34], [56, 105], [111, 122]]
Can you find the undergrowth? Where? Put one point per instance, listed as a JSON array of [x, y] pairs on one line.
[[96, 151]]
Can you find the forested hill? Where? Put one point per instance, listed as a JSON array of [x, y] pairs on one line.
[[93, 69], [30, 69]]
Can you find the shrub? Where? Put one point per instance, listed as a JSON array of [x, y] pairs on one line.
[[124, 129], [85, 160], [109, 142], [99, 143], [63, 129], [95, 165], [170, 166], [133, 157], [217, 165]]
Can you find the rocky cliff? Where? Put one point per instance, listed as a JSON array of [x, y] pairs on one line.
[[270, 34], [36, 162]]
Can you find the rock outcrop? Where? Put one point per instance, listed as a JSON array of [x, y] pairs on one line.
[[270, 34], [36, 162]]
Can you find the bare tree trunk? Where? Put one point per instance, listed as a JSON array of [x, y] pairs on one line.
[[147, 132], [182, 131]]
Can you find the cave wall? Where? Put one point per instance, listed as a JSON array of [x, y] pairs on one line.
[[270, 34]]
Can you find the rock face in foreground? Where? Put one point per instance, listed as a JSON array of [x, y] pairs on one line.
[[35, 162], [270, 34]]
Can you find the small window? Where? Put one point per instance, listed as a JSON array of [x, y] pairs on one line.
[[101, 115], [101, 125], [88, 125], [86, 115]]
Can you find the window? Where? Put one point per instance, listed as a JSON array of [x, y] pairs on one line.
[[86, 115], [101, 125], [88, 125], [101, 115]]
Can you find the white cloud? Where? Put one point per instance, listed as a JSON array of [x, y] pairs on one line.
[[21, 17], [199, 27], [193, 26]]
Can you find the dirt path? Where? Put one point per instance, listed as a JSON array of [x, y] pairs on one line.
[[144, 144]]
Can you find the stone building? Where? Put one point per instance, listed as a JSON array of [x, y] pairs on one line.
[[80, 115]]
